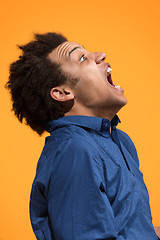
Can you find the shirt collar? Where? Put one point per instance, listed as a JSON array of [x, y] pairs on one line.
[[94, 123]]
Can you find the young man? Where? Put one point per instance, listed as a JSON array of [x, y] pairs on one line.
[[88, 184]]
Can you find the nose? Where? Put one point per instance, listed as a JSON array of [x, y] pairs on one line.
[[99, 57]]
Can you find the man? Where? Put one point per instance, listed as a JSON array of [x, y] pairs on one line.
[[88, 184]]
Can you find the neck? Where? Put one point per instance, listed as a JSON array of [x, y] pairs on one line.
[[105, 113]]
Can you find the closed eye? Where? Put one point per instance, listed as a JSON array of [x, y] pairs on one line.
[[82, 58]]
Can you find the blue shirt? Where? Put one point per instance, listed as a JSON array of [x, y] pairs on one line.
[[88, 185]]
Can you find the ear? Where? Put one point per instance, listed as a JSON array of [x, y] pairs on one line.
[[61, 94]]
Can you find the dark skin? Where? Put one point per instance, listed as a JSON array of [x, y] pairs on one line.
[[157, 230], [93, 95]]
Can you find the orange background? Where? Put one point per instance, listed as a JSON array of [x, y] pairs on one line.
[[128, 31]]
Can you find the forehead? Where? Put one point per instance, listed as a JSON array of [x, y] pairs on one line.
[[63, 50]]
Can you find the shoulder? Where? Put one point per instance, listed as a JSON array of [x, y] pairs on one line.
[[61, 156], [68, 145], [74, 157], [69, 137]]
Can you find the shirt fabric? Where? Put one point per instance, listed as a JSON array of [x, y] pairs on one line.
[[88, 185]]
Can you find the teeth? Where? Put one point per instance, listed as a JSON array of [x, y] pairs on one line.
[[109, 70], [117, 86]]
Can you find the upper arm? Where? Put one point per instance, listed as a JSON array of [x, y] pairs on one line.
[[78, 208]]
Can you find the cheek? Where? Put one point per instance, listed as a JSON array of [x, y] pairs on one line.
[[90, 92], [86, 84], [84, 91]]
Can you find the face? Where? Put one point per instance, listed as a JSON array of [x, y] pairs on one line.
[[95, 90]]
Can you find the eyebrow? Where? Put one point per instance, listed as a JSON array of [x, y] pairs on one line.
[[74, 50]]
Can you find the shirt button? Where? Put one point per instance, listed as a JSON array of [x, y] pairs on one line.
[[105, 125]]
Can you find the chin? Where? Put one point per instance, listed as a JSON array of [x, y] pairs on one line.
[[122, 103]]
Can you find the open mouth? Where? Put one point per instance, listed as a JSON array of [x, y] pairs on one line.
[[109, 78]]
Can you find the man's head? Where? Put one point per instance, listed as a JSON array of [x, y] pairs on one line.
[[54, 77], [31, 78], [94, 93]]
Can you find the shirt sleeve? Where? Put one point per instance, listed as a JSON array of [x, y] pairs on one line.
[[78, 206]]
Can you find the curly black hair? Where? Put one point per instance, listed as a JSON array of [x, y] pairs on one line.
[[32, 77]]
